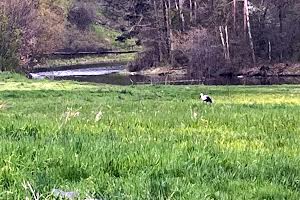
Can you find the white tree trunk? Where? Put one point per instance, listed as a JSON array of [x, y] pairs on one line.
[[167, 18], [245, 17], [234, 15], [249, 31], [270, 51], [223, 42], [176, 5], [159, 31], [227, 43], [180, 4], [170, 31], [195, 10], [191, 11]]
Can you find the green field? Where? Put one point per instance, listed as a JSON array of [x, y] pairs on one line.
[[148, 142]]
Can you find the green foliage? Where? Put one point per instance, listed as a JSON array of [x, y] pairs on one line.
[[109, 35], [82, 15], [9, 44], [113, 59], [149, 142]]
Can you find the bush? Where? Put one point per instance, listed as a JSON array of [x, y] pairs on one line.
[[25, 31], [9, 45], [82, 15], [145, 59], [204, 53], [82, 40], [179, 59]]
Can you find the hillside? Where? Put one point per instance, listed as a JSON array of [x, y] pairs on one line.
[[32, 30], [203, 37], [89, 29]]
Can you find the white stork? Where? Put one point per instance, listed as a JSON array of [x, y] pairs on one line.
[[206, 98]]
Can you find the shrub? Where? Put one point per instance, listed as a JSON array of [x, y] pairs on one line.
[[204, 53], [145, 59], [82, 40], [179, 59], [9, 44], [82, 15]]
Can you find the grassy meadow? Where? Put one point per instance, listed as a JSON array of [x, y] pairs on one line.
[[88, 60], [148, 142]]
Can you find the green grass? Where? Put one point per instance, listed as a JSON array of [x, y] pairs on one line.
[[109, 35], [87, 60], [149, 142]]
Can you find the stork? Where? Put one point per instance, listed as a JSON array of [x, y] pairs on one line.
[[206, 98]]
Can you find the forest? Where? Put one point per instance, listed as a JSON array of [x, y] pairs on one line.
[[206, 37]]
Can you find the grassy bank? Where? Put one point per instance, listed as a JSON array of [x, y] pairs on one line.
[[88, 60], [149, 142]]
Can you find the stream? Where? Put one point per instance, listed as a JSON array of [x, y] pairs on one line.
[[115, 75]]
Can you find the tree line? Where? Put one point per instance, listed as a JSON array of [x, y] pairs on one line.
[[208, 36], [204, 36]]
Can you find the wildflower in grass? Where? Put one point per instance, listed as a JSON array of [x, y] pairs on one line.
[[98, 116], [194, 114], [3, 105], [27, 186], [205, 122], [69, 114]]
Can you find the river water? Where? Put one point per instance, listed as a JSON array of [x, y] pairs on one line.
[[113, 75]]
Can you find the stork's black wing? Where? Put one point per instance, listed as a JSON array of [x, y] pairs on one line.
[[208, 100]]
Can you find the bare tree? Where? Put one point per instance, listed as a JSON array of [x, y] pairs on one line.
[[182, 18], [32, 19], [248, 27]]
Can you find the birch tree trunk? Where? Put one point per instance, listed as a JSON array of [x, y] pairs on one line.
[[234, 16], [176, 5], [195, 10], [170, 31], [191, 11], [249, 31], [245, 18], [223, 42], [270, 51], [280, 31], [227, 43], [158, 30], [180, 4], [166, 12]]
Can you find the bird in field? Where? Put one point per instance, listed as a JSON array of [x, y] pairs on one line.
[[206, 98]]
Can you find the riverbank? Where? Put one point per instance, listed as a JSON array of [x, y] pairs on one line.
[[164, 71], [86, 62], [279, 69], [118, 75], [101, 140]]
